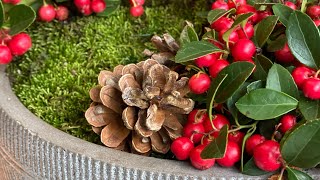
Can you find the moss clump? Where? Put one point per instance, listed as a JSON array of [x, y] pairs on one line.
[[53, 79]]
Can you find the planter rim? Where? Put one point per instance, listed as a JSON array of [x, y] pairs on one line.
[[149, 166]]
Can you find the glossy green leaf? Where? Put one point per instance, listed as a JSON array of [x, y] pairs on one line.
[[283, 12], [280, 79], [188, 34], [195, 49], [21, 17], [1, 14], [215, 14], [263, 64], [238, 73], [251, 169], [241, 20], [294, 174], [264, 29], [217, 148], [302, 146], [234, 98], [263, 104], [310, 109], [277, 44], [254, 85], [112, 5], [304, 39]]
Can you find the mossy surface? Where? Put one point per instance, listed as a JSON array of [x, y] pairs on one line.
[[53, 79]]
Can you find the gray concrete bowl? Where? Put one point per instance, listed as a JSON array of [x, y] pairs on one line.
[[44, 152]]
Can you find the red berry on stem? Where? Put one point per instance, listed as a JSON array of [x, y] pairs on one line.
[[80, 4], [311, 88], [220, 4], [314, 11], [233, 37], [194, 132], [217, 67], [197, 116], [253, 141], [284, 55], [199, 83], [222, 24], [20, 44], [236, 137], [5, 55], [218, 122], [290, 5], [136, 11], [232, 155], [98, 6], [287, 122], [46, 13], [236, 3], [246, 8], [300, 74], [62, 13], [244, 49], [246, 32], [266, 156], [197, 161], [181, 147], [205, 61]]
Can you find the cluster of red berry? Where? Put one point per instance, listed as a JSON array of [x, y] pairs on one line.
[[136, 9], [242, 48], [48, 12], [16, 45], [87, 7], [200, 131]]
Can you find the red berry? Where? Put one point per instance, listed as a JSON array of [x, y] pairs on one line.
[[205, 61], [252, 142], [199, 83], [20, 44], [233, 37], [80, 4], [181, 147], [137, 2], [197, 116], [287, 122], [311, 88], [194, 132], [197, 161], [263, 14], [222, 24], [220, 4], [46, 13], [136, 11], [284, 55], [218, 121], [244, 49], [236, 137], [314, 11], [317, 22], [290, 5], [62, 13], [247, 32], [246, 8], [5, 55], [236, 3], [300, 74], [98, 6], [232, 155], [86, 10], [207, 140], [217, 67], [266, 156]]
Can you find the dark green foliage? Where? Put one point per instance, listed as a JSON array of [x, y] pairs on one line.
[[53, 79]]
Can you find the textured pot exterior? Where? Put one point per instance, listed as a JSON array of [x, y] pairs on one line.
[[44, 152]]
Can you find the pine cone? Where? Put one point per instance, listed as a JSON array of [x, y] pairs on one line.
[[142, 104]]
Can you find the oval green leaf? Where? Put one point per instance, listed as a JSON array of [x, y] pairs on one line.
[[251, 169], [304, 39], [188, 34], [283, 12], [263, 64], [217, 148], [302, 146], [238, 73], [195, 49], [254, 85], [264, 29], [280, 79], [294, 174], [263, 104], [215, 14], [112, 5], [20, 18], [310, 109], [234, 98]]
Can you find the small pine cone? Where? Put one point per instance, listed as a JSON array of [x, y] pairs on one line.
[[141, 105]]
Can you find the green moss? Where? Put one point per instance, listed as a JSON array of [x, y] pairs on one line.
[[53, 79]]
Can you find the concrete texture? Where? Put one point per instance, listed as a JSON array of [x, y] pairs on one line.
[[42, 152]]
